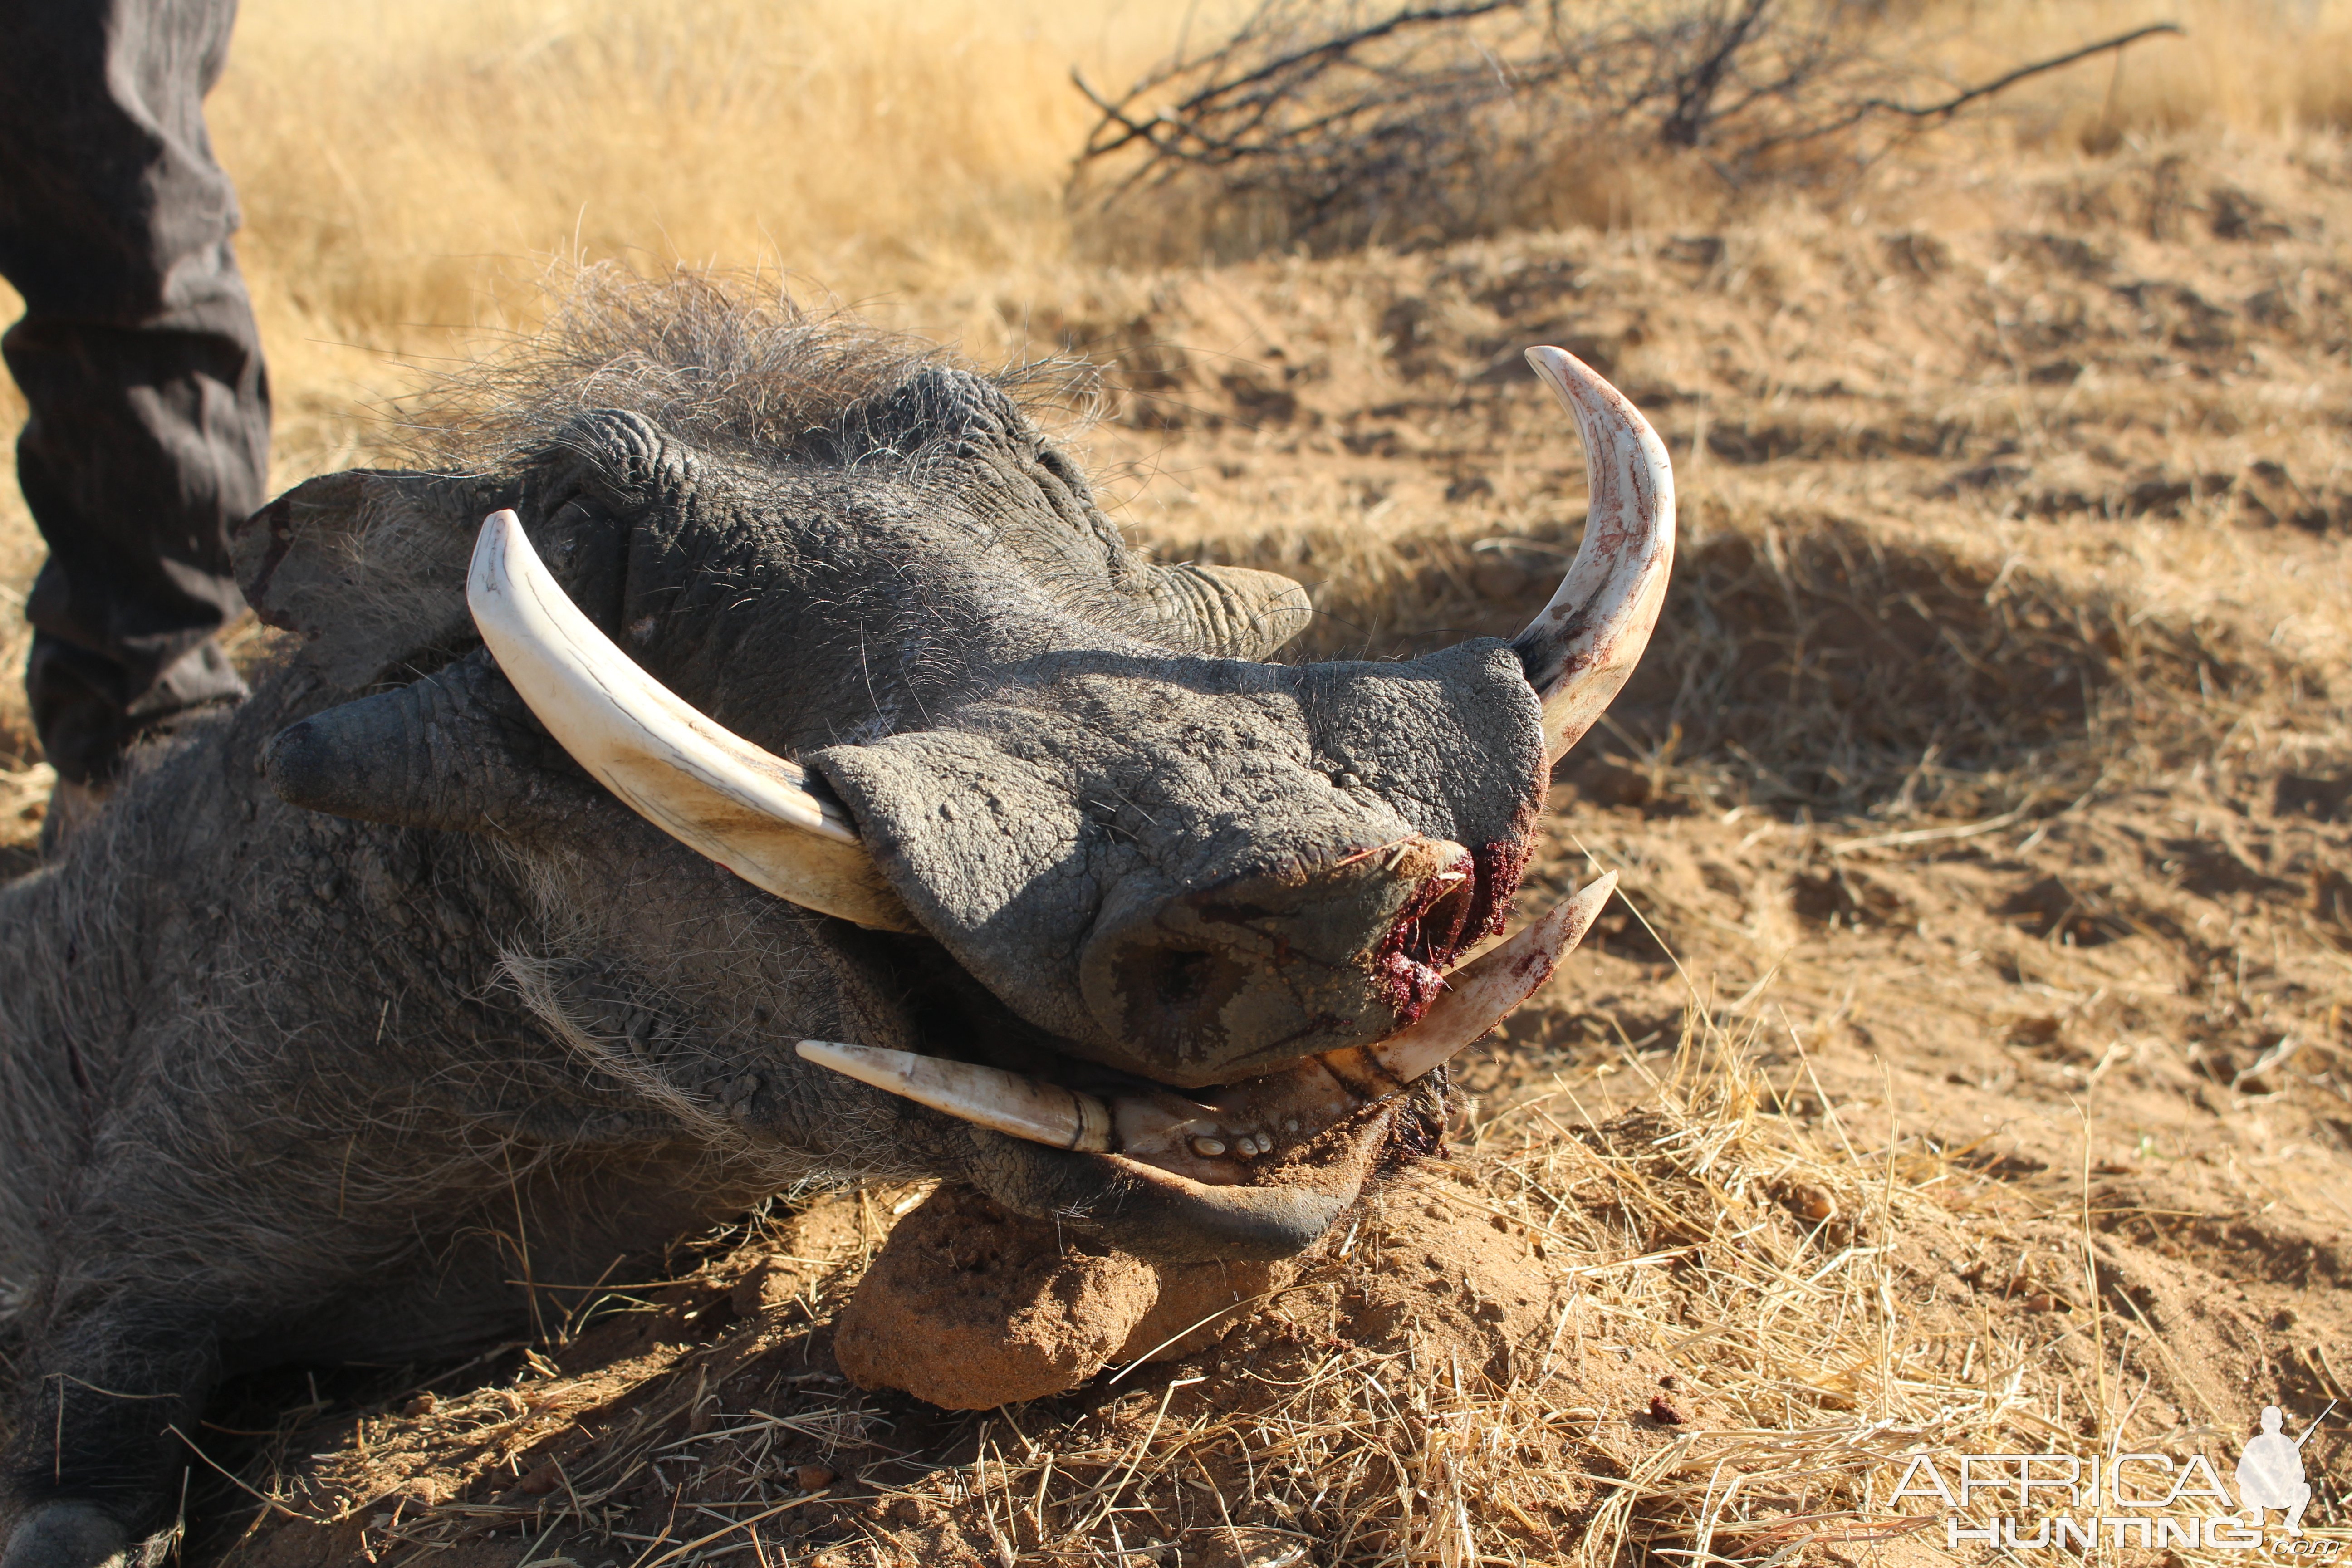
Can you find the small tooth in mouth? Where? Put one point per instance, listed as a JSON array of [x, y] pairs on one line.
[[1191, 1139]]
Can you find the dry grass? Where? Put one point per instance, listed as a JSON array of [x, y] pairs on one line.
[[407, 168], [2261, 67], [1747, 1325], [1996, 732]]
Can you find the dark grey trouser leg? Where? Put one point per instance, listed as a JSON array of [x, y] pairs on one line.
[[150, 429], [94, 1461]]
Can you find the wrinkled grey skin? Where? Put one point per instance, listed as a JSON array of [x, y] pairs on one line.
[[365, 1003]]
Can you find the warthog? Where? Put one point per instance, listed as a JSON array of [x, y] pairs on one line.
[[495, 941]]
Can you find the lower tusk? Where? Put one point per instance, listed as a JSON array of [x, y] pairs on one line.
[[1215, 1141], [1024, 1107], [1483, 992]]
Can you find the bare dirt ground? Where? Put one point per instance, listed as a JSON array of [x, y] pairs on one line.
[[1966, 1069]]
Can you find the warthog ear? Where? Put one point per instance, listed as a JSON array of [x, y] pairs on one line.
[[1236, 612], [457, 751], [369, 564]]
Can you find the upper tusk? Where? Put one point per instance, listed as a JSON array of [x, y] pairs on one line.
[[711, 790], [1581, 646]]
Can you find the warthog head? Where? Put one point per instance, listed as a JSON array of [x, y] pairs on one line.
[[1178, 920]]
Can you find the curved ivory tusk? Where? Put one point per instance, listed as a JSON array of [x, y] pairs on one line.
[[1483, 992], [1215, 1140], [991, 1097], [1581, 646], [709, 789]]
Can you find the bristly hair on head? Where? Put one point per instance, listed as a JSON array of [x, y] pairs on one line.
[[724, 360]]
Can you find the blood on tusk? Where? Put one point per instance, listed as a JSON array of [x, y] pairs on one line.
[[1481, 994]]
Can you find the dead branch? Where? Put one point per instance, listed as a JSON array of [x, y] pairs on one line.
[[1334, 122], [1960, 101], [1952, 105]]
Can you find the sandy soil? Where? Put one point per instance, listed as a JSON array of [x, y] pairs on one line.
[[1967, 1064]]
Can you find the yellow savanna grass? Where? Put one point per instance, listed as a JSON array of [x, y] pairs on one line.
[[392, 155], [407, 166], [2261, 67], [410, 168], [407, 169]]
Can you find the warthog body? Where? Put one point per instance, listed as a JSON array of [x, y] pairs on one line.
[[364, 1015]]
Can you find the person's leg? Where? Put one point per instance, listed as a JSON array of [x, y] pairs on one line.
[[149, 434]]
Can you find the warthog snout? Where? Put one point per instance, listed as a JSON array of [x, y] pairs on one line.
[[1270, 966]]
